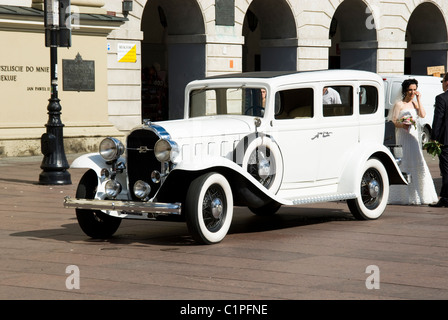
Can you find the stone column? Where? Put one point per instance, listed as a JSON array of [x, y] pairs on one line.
[[312, 54], [391, 57]]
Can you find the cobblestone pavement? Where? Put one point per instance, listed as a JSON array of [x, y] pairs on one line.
[[303, 252]]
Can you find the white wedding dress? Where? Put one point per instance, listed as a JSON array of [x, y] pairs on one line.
[[421, 190]]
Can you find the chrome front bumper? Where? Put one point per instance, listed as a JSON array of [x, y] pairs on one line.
[[129, 207]]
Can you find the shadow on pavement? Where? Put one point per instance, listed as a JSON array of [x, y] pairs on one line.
[[165, 233]]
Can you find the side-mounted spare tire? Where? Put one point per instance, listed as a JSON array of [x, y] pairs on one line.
[[263, 160]]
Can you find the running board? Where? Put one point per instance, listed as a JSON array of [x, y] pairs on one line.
[[324, 198]]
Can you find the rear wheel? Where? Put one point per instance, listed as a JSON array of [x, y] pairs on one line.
[[209, 208], [426, 135], [374, 192], [94, 223]]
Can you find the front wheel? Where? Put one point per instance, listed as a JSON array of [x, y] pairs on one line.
[[374, 192], [209, 208], [94, 223]]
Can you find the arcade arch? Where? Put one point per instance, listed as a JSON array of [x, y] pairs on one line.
[[353, 37], [270, 34], [173, 53], [426, 37]]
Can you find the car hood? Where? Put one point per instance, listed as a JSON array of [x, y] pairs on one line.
[[208, 126]]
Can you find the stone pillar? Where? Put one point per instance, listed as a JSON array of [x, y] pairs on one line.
[[391, 56], [224, 54], [312, 54]]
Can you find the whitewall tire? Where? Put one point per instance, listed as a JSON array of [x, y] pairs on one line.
[[209, 208], [374, 192]]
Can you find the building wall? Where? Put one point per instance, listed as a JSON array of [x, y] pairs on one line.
[[25, 88]]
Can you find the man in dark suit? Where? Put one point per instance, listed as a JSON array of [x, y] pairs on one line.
[[440, 134]]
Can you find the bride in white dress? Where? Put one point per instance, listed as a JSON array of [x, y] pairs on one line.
[[421, 189]]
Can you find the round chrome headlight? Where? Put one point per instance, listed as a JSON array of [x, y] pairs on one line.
[[166, 150], [156, 176], [142, 189], [111, 149], [112, 188]]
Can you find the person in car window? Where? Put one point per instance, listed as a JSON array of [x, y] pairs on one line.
[[263, 98], [331, 96]]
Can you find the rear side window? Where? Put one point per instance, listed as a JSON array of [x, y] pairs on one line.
[[368, 99], [337, 101], [294, 104]]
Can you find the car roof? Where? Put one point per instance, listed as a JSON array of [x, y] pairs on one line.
[[294, 76], [254, 74]]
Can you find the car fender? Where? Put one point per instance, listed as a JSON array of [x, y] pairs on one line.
[[352, 173], [239, 178], [95, 162], [92, 161]]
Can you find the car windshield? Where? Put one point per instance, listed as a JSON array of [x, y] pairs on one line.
[[227, 101]]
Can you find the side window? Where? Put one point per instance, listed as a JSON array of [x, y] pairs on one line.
[[337, 101], [294, 104], [254, 101], [368, 99]]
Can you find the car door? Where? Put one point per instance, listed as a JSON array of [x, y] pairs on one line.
[[339, 131], [294, 128]]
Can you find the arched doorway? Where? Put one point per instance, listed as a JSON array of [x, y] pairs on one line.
[[173, 53], [270, 36], [426, 37], [353, 40]]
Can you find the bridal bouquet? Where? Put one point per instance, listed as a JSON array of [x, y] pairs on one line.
[[433, 148], [408, 120]]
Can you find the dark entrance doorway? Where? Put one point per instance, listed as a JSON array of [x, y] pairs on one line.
[[173, 53]]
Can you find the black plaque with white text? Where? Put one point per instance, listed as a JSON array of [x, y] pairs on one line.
[[78, 74]]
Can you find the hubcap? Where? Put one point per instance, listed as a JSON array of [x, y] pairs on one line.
[[264, 168], [216, 207], [261, 166], [213, 208], [374, 188], [371, 189]]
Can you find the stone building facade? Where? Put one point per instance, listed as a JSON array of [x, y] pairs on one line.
[[144, 57]]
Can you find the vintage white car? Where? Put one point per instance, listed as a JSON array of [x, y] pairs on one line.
[[261, 140]]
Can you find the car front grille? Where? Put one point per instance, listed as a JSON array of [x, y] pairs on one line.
[[141, 160]]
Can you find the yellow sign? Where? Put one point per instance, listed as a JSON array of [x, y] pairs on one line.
[[127, 52], [436, 71]]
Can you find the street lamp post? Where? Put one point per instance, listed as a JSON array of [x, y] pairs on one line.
[[54, 164]]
